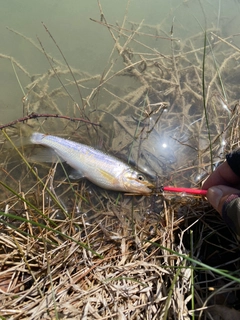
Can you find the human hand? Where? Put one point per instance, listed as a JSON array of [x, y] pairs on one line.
[[222, 183]]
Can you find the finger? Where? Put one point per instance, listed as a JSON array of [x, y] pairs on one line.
[[223, 175], [217, 196]]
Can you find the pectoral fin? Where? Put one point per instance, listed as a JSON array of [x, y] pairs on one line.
[[76, 175]]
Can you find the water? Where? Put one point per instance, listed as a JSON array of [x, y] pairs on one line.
[[166, 142], [86, 44]]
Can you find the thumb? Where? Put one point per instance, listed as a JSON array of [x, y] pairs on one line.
[[217, 195]]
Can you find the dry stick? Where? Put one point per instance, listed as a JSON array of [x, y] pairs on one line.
[[4, 56], [134, 40], [18, 80], [121, 123], [125, 29], [128, 61], [176, 76], [143, 33], [157, 28], [124, 19], [153, 36], [229, 125], [223, 65], [122, 99], [130, 38], [35, 45], [36, 116], [197, 96], [192, 51], [65, 62], [38, 48], [56, 74], [55, 70], [224, 41], [132, 97], [22, 194], [181, 54], [106, 73], [120, 48], [194, 93], [128, 66], [111, 77]]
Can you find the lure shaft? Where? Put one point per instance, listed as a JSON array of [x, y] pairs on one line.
[[185, 190]]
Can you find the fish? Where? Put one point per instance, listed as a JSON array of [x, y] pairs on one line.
[[100, 168]]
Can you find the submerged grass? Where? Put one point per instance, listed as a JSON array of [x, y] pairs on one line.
[[71, 250], [204, 101]]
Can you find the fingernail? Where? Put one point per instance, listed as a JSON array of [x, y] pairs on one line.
[[214, 196]]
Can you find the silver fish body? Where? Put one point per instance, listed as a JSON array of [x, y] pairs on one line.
[[100, 168]]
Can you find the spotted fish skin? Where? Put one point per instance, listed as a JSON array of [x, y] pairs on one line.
[[98, 167]]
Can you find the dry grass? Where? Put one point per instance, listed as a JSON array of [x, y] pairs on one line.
[[70, 250]]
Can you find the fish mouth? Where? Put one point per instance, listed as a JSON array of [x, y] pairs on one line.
[[146, 187], [144, 191], [135, 186], [148, 184]]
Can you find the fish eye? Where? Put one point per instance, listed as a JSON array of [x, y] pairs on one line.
[[140, 177]]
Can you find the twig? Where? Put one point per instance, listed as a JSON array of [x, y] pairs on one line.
[[4, 56], [128, 30], [204, 99], [35, 45], [36, 116], [50, 35], [54, 70]]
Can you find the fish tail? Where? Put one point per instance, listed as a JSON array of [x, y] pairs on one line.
[[42, 155], [36, 137]]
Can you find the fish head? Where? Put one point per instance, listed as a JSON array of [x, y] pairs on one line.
[[136, 182]]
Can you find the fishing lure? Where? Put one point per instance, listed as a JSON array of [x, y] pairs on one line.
[[185, 190]]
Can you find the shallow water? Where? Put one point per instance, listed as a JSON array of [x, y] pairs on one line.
[[168, 141], [86, 44]]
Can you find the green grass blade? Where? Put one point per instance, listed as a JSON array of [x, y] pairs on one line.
[[222, 273], [42, 226]]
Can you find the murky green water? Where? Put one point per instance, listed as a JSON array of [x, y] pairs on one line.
[[163, 124], [87, 45]]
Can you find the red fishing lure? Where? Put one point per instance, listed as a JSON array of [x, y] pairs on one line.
[[185, 190]]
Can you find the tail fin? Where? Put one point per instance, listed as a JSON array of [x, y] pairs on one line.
[[42, 154]]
